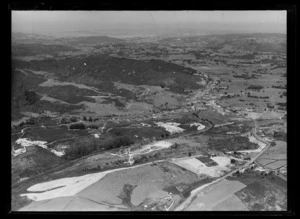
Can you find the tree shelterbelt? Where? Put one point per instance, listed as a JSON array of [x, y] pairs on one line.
[[82, 148]]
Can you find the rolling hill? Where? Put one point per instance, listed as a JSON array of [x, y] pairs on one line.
[[101, 71]]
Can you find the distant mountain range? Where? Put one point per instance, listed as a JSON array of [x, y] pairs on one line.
[[260, 42], [92, 40]]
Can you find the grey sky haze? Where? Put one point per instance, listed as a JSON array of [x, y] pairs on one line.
[[51, 22]]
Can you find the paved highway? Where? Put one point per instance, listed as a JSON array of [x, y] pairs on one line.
[[187, 202]]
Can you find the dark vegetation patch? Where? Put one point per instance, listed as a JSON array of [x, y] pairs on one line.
[[24, 89], [18, 201], [126, 93], [245, 127], [68, 93], [226, 143], [52, 133], [187, 192], [207, 161], [200, 54], [188, 128], [257, 207], [91, 127], [281, 104], [251, 176], [77, 126], [15, 114], [39, 49], [139, 159], [67, 120], [269, 61], [89, 145], [258, 97], [172, 189], [280, 136], [52, 106], [105, 69], [142, 132], [34, 121], [263, 192], [189, 118], [25, 97], [246, 76], [283, 94], [31, 97], [255, 87], [125, 196], [117, 102], [279, 86], [34, 161], [212, 117], [248, 56]]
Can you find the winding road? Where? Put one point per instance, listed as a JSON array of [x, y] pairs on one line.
[[194, 193]]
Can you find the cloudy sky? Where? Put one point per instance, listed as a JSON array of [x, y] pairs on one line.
[[61, 21]]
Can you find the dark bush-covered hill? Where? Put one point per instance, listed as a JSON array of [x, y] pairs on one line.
[[33, 49], [101, 71]]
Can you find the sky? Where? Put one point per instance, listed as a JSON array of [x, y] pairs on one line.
[[55, 22]]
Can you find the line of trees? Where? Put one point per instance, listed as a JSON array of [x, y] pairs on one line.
[[255, 87], [145, 158], [85, 148], [90, 119], [77, 126], [279, 86], [253, 96], [66, 120]]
